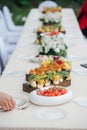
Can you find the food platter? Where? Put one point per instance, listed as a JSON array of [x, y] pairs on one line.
[[50, 100]]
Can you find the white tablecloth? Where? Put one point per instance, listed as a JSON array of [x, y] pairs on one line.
[[28, 119]]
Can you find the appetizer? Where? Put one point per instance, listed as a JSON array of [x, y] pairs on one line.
[[52, 9], [53, 44], [53, 70]]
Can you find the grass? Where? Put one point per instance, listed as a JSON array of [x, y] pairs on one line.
[[19, 12]]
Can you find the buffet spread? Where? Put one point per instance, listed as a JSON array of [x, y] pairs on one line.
[[53, 69], [45, 69]]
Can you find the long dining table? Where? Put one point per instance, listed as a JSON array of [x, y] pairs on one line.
[[34, 117]]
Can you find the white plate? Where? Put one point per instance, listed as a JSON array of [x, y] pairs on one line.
[[71, 45], [26, 57], [27, 44], [21, 103], [81, 101], [75, 58], [50, 101], [33, 58], [69, 35], [50, 113], [38, 58], [14, 73], [79, 71]]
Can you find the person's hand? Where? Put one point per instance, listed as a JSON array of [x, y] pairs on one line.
[[6, 102]]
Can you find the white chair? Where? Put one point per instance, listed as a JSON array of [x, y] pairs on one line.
[[9, 22], [1, 65], [4, 55], [5, 32], [9, 37], [0, 69], [47, 3]]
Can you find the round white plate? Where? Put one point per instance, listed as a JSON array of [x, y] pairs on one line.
[[50, 113], [50, 101], [27, 44], [71, 36], [26, 57], [79, 71], [37, 58], [14, 73], [81, 101], [71, 44], [75, 58], [21, 103], [32, 58]]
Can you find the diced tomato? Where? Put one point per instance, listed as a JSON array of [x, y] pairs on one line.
[[54, 91], [54, 33], [59, 62]]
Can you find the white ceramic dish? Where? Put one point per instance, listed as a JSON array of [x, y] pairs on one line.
[[37, 58], [20, 104], [14, 73], [27, 44], [32, 58], [50, 113], [75, 58], [79, 71], [81, 101], [50, 101], [19, 101], [75, 35], [26, 57]]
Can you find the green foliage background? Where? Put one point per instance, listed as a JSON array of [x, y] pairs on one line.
[[21, 8]]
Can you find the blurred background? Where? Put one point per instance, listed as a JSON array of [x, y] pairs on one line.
[[20, 8], [13, 15]]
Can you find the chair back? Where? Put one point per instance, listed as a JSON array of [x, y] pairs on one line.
[[1, 65], [8, 17], [47, 3], [3, 28], [9, 21], [3, 53]]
